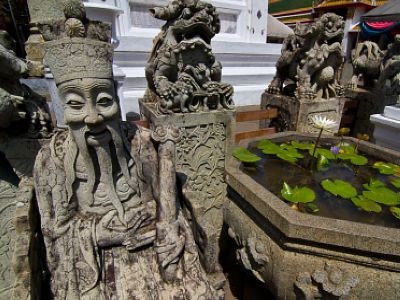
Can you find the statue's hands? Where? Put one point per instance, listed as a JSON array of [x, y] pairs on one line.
[[134, 239], [169, 247]]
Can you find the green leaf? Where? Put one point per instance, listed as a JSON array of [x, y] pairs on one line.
[[321, 151], [395, 211], [383, 195], [322, 162], [286, 155], [245, 155], [268, 147], [297, 195], [396, 182], [339, 188], [373, 184], [302, 145], [347, 149], [355, 159], [366, 204], [312, 207], [386, 168]]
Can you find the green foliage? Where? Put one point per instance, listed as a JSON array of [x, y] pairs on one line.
[[355, 159], [312, 208], [321, 151], [347, 149], [268, 147], [396, 182], [297, 194], [322, 162], [302, 145], [245, 155], [387, 168], [366, 204], [339, 188], [383, 195], [395, 211], [285, 151], [374, 184]]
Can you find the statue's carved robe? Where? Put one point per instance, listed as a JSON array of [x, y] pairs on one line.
[[79, 268]]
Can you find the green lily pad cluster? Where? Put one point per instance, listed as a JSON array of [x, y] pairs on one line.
[[245, 155], [374, 195], [387, 168], [286, 152]]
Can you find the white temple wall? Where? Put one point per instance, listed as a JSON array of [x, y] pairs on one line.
[[248, 62]]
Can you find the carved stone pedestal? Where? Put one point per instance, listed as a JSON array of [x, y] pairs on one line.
[[21, 269], [295, 114], [206, 138]]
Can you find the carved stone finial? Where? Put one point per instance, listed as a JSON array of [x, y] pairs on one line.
[[182, 72]]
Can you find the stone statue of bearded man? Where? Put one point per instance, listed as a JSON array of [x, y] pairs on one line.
[[106, 191]]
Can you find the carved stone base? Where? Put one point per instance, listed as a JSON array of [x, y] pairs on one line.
[[206, 138], [295, 114]]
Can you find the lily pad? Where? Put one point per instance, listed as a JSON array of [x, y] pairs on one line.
[[322, 162], [302, 145], [395, 211], [347, 148], [396, 182], [386, 168], [383, 195], [373, 184], [321, 151], [339, 188], [366, 204], [355, 159], [268, 147], [297, 194], [245, 155], [312, 207], [287, 156]]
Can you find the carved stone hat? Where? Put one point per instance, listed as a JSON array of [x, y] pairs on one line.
[[77, 47]]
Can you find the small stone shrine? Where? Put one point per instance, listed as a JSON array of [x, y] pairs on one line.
[[111, 218], [185, 89], [306, 82]]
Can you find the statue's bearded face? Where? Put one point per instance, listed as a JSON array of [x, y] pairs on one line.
[[90, 106]]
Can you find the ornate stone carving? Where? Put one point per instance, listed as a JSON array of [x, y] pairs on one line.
[[311, 59], [107, 197], [201, 157], [333, 281], [21, 109], [7, 241], [252, 253], [379, 68], [182, 72]]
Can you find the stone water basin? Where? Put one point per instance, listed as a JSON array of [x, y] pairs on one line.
[[304, 256]]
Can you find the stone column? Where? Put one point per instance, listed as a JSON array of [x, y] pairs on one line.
[[41, 12], [206, 139]]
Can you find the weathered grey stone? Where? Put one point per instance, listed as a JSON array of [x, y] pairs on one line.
[[306, 256], [306, 81], [182, 72], [106, 190], [40, 12], [295, 114], [206, 138], [21, 110], [311, 59]]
